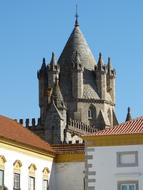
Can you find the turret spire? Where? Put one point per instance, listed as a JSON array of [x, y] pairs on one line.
[[129, 117], [43, 67], [109, 65], [100, 62], [76, 16], [53, 59]]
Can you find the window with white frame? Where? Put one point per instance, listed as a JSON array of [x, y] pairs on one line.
[[32, 170], [1, 179], [2, 167], [16, 181], [45, 184], [31, 185], [16, 174], [45, 178], [128, 185]]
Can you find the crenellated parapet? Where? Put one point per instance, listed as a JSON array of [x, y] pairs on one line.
[[29, 123]]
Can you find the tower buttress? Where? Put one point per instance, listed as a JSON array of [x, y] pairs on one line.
[[100, 71], [42, 77], [111, 74]]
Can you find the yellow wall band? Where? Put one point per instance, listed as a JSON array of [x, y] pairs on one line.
[[74, 157], [114, 140]]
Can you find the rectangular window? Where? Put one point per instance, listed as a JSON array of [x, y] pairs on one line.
[[45, 184], [1, 179], [128, 185], [127, 159], [31, 183], [16, 181]]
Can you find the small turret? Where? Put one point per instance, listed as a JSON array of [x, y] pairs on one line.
[[43, 82], [129, 117], [53, 71], [42, 72], [111, 80], [100, 72], [77, 77]]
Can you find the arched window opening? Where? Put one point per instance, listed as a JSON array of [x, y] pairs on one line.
[[92, 112], [92, 115]]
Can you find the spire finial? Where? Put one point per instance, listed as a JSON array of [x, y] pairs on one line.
[[76, 16]]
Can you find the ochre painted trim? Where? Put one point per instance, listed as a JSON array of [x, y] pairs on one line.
[[114, 140], [74, 157], [25, 150], [2, 162]]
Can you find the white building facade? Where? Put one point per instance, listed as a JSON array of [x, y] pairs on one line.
[[114, 158], [23, 169], [68, 170], [23, 166]]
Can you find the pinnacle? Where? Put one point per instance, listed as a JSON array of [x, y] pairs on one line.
[[43, 64], [53, 59], [100, 61], [129, 117]]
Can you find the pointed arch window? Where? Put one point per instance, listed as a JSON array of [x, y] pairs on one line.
[[91, 112]]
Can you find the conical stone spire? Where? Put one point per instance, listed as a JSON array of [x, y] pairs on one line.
[[76, 42]]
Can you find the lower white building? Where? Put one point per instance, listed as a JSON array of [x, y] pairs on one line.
[[68, 171], [25, 160], [28, 162], [114, 158]]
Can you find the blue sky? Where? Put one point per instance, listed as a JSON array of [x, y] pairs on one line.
[[32, 29]]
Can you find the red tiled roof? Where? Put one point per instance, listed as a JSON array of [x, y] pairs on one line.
[[11, 130], [68, 148], [134, 126]]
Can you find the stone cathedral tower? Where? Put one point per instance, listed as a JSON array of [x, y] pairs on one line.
[[76, 94]]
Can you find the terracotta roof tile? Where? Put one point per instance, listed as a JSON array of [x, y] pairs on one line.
[[134, 126], [68, 148], [11, 130]]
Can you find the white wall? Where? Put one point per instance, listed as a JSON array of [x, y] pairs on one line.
[[11, 154], [68, 176], [104, 163]]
